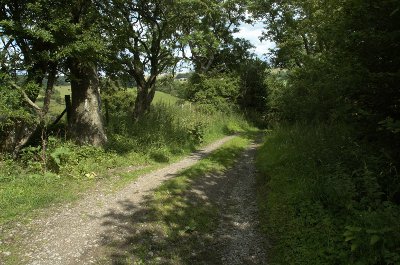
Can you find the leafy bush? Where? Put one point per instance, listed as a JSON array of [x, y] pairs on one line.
[[14, 115], [171, 86], [173, 127], [31, 158], [312, 93], [253, 91], [218, 92], [118, 105], [326, 198]]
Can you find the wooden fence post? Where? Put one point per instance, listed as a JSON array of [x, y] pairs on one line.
[[68, 108]]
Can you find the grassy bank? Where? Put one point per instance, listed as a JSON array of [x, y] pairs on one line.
[[57, 170], [178, 224], [324, 199]]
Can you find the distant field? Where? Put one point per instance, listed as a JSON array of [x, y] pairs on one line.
[[57, 104], [159, 97], [63, 90], [164, 97]]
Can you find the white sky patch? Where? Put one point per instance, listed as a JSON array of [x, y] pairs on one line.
[[253, 33]]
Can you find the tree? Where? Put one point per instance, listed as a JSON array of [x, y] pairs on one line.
[[83, 51], [206, 34], [300, 29], [253, 96], [29, 48], [50, 35], [144, 35], [342, 53]]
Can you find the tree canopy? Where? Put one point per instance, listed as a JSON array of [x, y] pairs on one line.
[[82, 39]]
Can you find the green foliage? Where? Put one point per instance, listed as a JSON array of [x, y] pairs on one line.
[[197, 132], [325, 197], [335, 185], [253, 91], [31, 157], [119, 104], [205, 28], [313, 93], [391, 125], [59, 155], [173, 126], [341, 58], [12, 105], [219, 92], [172, 86]]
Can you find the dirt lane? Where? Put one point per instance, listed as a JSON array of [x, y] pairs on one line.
[[71, 234], [238, 238], [139, 237]]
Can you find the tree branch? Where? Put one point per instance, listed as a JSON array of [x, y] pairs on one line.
[[27, 99]]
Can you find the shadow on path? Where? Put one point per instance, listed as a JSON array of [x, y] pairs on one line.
[[213, 222]]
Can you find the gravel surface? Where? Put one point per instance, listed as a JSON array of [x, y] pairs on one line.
[[72, 233], [239, 239], [236, 240]]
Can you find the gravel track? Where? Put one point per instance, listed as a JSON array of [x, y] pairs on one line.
[[71, 234], [77, 233], [239, 239]]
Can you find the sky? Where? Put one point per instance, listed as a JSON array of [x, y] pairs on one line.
[[252, 33]]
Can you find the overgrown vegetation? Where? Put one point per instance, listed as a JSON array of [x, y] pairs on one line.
[[329, 185], [328, 198], [329, 188], [130, 42]]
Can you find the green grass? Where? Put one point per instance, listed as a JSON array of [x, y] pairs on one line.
[[25, 187], [178, 223], [165, 98], [57, 104], [63, 90], [320, 198]]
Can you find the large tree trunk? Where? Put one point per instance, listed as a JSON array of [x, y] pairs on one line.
[[145, 95], [86, 125], [140, 102]]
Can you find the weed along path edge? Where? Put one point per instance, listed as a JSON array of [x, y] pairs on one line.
[[70, 232]]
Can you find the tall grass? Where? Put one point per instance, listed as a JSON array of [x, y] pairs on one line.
[[174, 126], [324, 199]]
